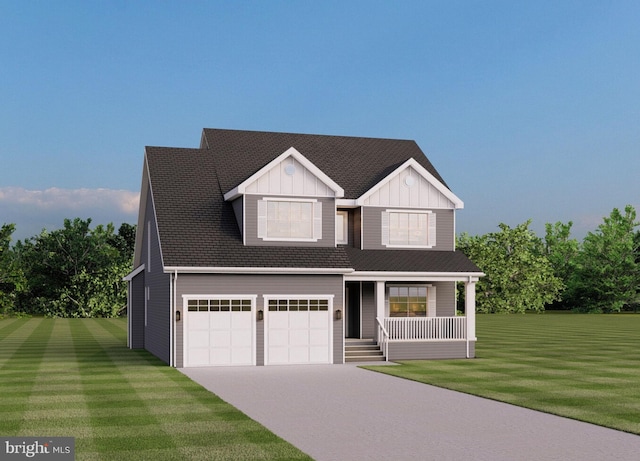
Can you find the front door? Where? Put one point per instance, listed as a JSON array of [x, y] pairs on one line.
[[352, 318]]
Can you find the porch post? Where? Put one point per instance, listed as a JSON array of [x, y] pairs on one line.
[[470, 310], [379, 300]]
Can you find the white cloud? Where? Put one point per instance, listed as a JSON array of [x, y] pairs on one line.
[[34, 210], [72, 199]]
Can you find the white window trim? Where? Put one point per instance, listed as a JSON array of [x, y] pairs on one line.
[[345, 227], [430, 232], [316, 227]]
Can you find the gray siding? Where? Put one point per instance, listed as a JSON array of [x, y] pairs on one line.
[[136, 312], [237, 209], [424, 350], [251, 224], [372, 229], [368, 313], [157, 338], [445, 299], [260, 285]]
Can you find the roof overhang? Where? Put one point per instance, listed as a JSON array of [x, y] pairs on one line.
[[256, 270], [372, 276], [133, 273]]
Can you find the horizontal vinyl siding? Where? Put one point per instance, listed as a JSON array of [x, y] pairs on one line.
[[372, 227], [136, 313], [425, 350], [445, 299], [157, 338], [260, 285], [251, 223], [368, 314]]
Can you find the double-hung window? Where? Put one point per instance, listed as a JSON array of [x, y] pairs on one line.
[[408, 229], [289, 219]]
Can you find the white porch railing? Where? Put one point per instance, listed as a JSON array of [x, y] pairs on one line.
[[424, 328], [383, 339]]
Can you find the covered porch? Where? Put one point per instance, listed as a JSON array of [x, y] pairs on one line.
[[412, 316]]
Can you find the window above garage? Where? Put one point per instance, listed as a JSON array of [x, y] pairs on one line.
[[294, 220]]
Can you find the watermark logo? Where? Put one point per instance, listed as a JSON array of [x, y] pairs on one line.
[[37, 448]]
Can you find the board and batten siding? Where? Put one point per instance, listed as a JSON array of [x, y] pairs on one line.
[[261, 285], [372, 229], [157, 337], [251, 223]]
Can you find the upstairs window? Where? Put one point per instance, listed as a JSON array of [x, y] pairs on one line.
[[402, 229], [289, 220]]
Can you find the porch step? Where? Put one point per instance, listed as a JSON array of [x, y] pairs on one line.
[[362, 350]]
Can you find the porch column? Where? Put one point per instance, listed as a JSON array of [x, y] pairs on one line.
[[470, 309], [380, 299]]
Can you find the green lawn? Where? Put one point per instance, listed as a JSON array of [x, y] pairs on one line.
[[76, 378], [585, 367]]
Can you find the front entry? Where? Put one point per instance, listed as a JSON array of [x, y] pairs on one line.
[[352, 318]]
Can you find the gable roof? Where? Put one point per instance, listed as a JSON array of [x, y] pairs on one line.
[[293, 153], [356, 164], [198, 228]]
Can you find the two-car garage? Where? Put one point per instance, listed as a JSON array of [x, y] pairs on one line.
[[224, 330]]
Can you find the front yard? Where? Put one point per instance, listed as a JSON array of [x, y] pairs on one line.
[[76, 378], [585, 367]]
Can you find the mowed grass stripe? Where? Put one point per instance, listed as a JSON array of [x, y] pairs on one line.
[[56, 396], [585, 367], [123, 408], [75, 377], [22, 351]]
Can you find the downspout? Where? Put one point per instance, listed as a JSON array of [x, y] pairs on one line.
[[174, 287], [466, 314]]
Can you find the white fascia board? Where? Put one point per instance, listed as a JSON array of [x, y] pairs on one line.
[[254, 270], [290, 152], [444, 190], [346, 203], [373, 276], [133, 273]]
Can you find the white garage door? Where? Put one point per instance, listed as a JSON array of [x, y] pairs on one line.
[[297, 331], [219, 332]]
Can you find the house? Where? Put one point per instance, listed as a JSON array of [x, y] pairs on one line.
[[265, 248]]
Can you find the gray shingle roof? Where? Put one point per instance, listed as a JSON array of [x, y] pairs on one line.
[[198, 228]]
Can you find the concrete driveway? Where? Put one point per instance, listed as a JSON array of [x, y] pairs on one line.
[[341, 412]]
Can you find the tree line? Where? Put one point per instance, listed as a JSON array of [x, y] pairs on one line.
[[525, 272], [75, 271]]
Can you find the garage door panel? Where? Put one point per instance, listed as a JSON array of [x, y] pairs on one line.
[[318, 354], [318, 338], [216, 337], [279, 320], [220, 338], [298, 336], [220, 320], [298, 320]]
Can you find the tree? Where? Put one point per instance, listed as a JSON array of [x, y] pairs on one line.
[[75, 271], [562, 251], [519, 276], [607, 272], [11, 276]]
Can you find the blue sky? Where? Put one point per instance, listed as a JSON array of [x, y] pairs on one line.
[[527, 109]]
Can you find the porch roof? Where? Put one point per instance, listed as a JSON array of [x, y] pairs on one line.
[[410, 261]]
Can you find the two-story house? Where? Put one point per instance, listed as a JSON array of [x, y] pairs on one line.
[[264, 248]]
